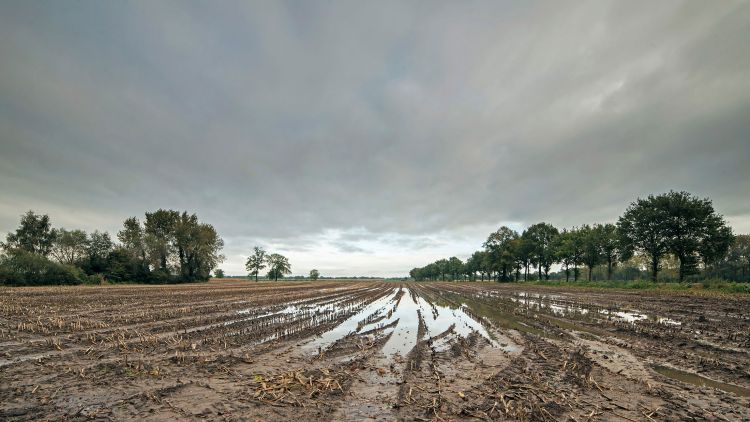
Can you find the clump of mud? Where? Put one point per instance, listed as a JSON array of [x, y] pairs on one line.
[[578, 368]]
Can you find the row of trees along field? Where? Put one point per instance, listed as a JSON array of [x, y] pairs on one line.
[[673, 233], [168, 247]]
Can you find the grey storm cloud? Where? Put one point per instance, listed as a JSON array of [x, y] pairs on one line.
[[370, 136]]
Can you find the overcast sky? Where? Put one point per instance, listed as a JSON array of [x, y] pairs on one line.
[[370, 137]]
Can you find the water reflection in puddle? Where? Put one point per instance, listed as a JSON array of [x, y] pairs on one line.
[[695, 379], [559, 305], [351, 324], [397, 315]]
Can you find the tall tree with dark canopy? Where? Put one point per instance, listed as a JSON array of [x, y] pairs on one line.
[[184, 234], [696, 234], [609, 244], [568, 250], [99, 247], [592, 255], [455, 267], [256, 262], [543, 237], [132, 238], [442, 268], [499, 245], [525, 253], [516, 256], [677, 223], [203, 253], [159, 229], [473, 264], [278, 266], [643, 229]]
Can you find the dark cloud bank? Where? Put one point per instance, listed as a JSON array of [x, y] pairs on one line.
[[370, 137]]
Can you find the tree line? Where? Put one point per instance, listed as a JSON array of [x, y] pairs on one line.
[[674, 229], [167, 247]]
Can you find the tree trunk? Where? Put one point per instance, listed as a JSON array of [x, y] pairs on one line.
[[682, 268], [591, 270], [609, 269], [181, 254], [567, 273], [526, 274], [654, 268]]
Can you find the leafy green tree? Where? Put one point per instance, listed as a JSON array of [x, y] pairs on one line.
[[474, 264], [433, 271], [643, 228], [677, 223], [543, 237], [592, 255], [500, 246], [120, 266], [278, 266], [132, 238], [97, 252], [442, 268], [198, 248], [569, 250], [256, 262], [609, 244], [34, 235], [518, 255], [314, 274], [185, 231], [219, 273], [69, 246], [455, 267], [160, 232], [486, 266], [415, 273], [524, 253]]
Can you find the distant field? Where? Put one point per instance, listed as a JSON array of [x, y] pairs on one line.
[[233, 349]]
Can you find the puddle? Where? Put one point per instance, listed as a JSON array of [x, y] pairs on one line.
[[668, 321], [352, 324], [398, 315], [503, 318], [561, 306], [624, 315], [695, 379]]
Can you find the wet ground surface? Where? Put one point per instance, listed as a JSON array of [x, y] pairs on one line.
[[237, 350]]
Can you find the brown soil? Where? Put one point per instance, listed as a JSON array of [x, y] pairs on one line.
[[363, 350]]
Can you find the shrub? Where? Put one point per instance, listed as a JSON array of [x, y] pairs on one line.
[[21, 268]]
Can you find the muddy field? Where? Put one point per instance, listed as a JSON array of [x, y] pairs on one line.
[[237, 350]]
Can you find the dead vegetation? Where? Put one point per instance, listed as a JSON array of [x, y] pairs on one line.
[[285, 351]]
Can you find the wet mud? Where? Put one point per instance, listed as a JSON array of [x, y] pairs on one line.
[[358, 350]]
